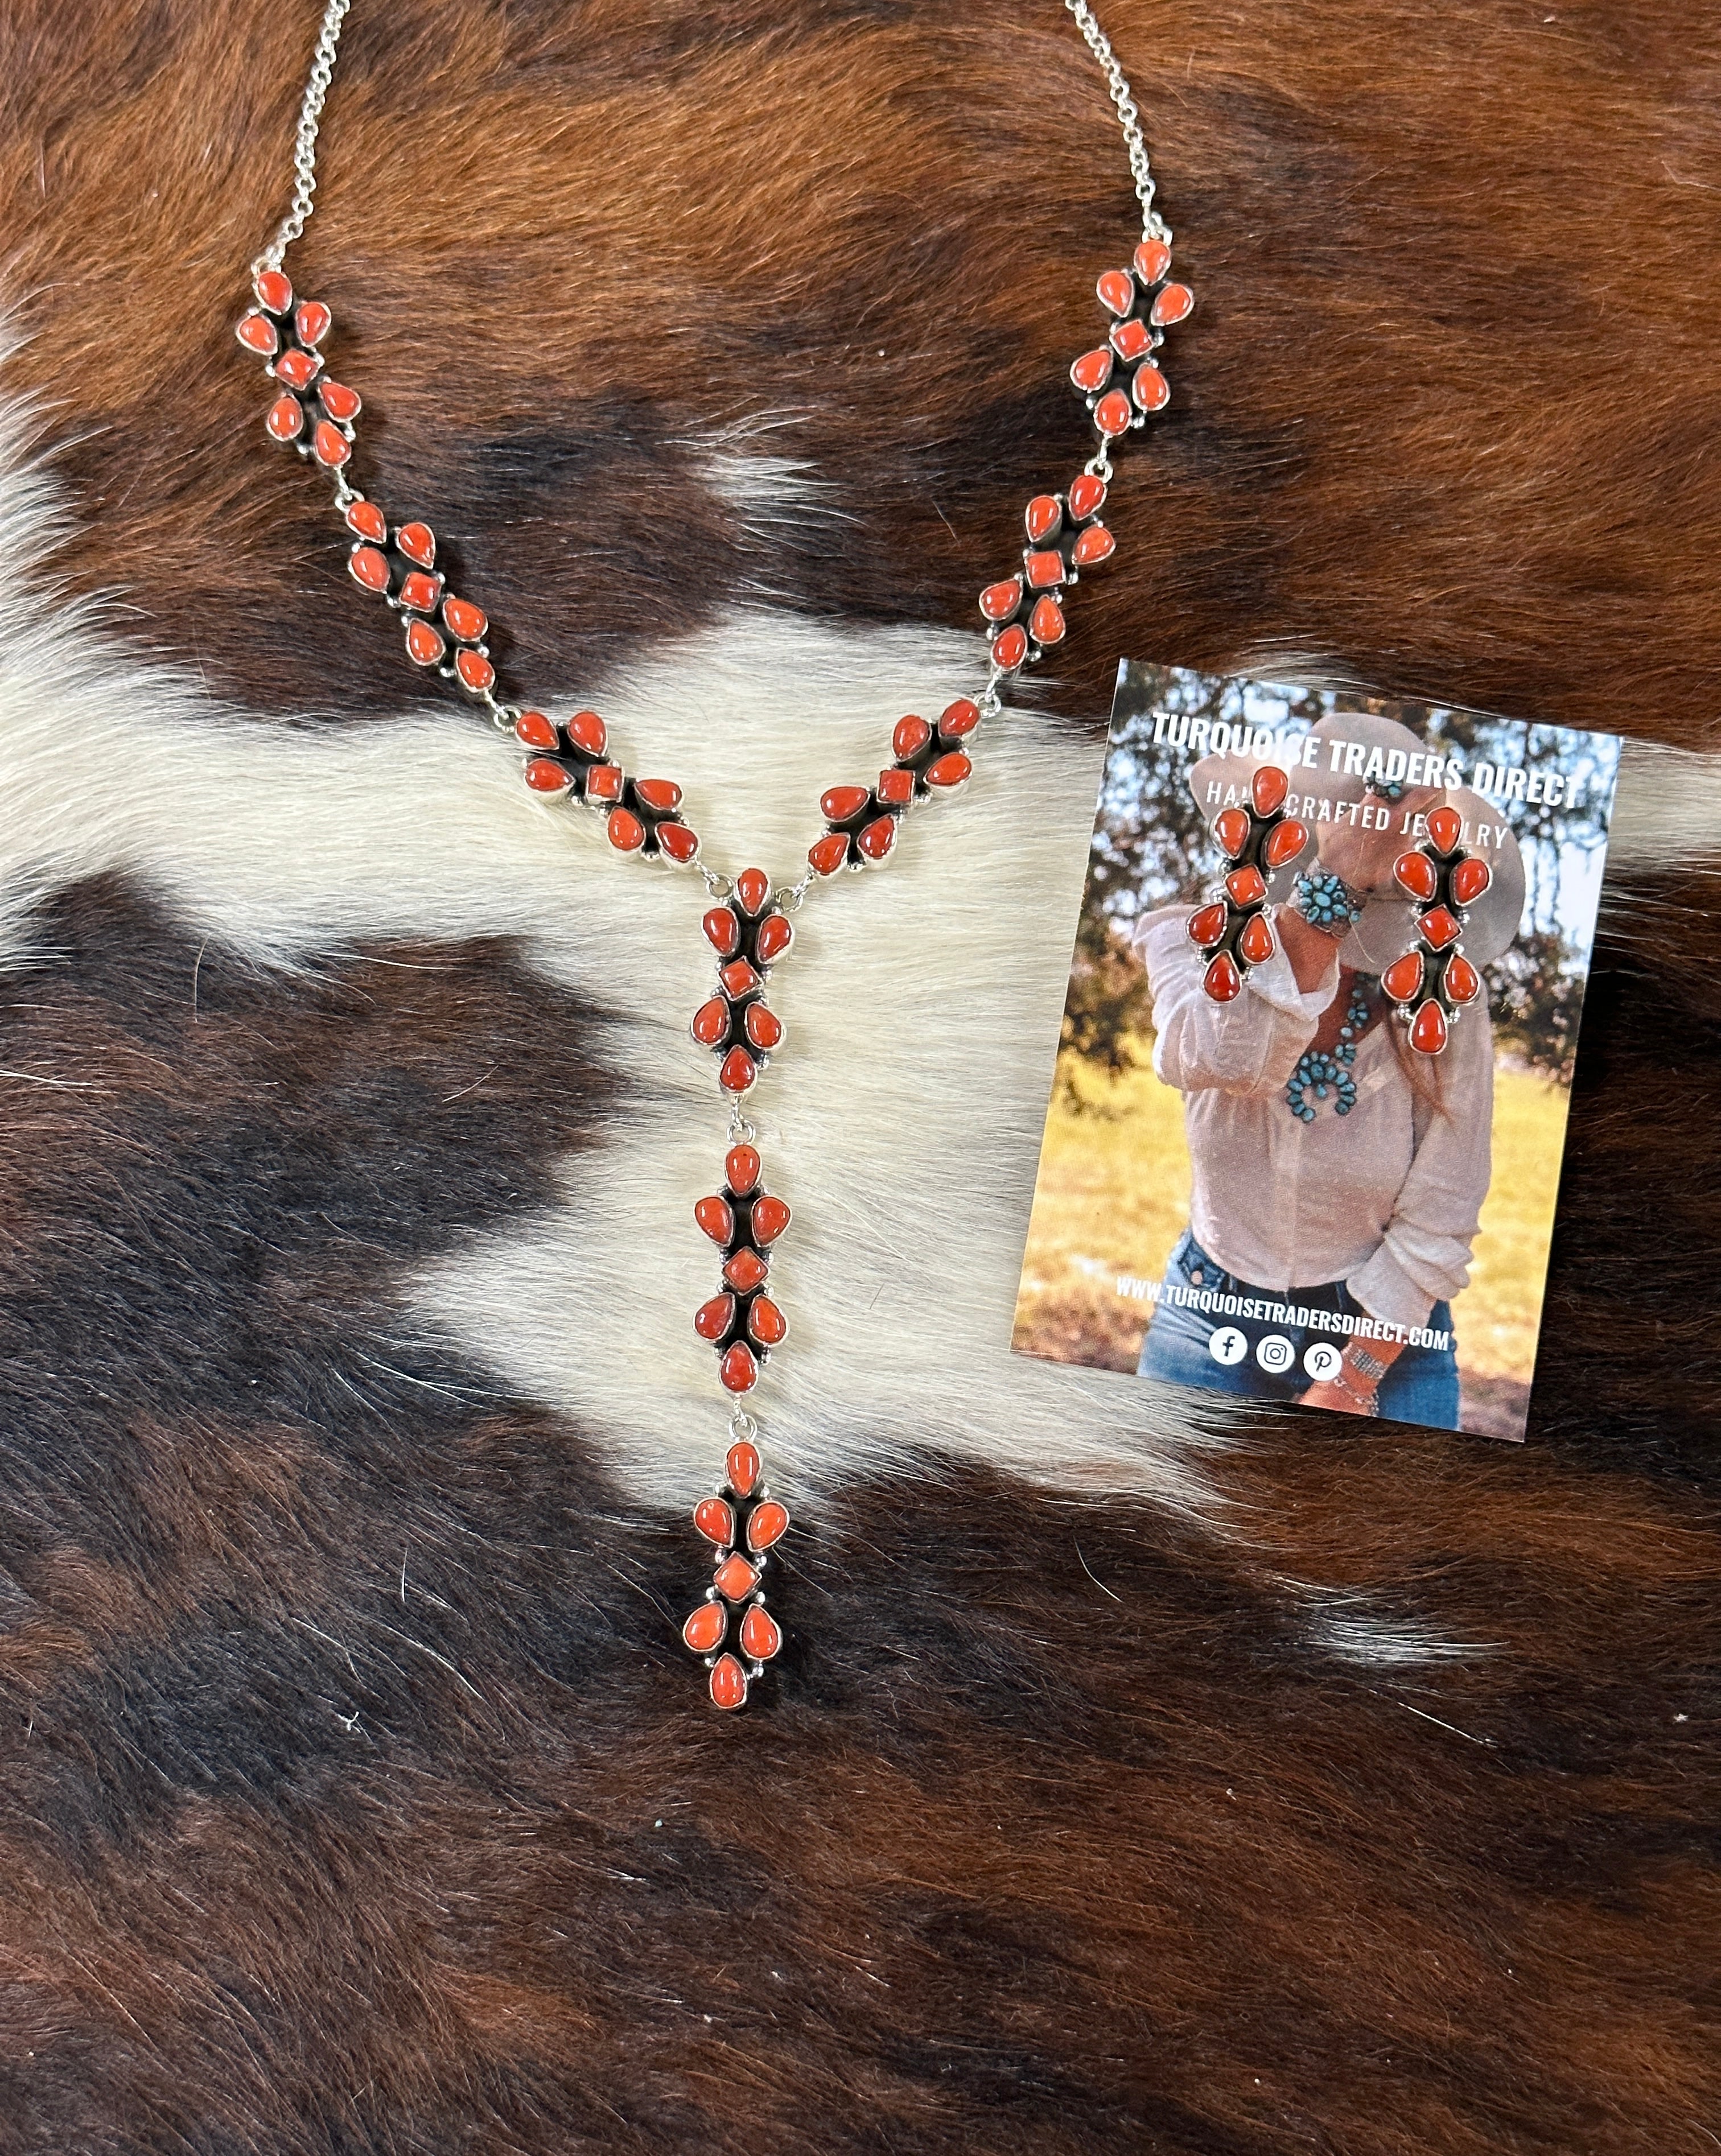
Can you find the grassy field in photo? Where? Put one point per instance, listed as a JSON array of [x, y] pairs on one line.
[[1112, 1196]]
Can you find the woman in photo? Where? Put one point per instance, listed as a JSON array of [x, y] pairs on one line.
[[1335, 1167]]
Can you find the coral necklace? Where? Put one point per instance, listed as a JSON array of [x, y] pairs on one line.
[[749, 926]]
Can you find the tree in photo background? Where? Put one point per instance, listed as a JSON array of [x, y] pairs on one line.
[[1152, 847]]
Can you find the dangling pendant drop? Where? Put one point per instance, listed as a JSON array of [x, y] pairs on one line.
[[731, 1630]]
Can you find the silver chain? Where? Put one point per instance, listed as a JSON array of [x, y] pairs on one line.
[[1128, 119], [323, 69]]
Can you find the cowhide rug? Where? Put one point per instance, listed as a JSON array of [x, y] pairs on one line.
[[1138, 1777]]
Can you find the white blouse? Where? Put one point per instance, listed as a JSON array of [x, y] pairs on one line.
[[1386, 1199]]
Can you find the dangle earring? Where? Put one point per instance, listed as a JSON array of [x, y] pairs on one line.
[[1232, 929], [1433, 981]]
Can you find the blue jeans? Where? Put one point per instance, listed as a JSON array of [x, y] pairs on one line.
[[1420, 1386]]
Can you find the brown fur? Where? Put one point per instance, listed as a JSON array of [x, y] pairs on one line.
[[354, 1798]]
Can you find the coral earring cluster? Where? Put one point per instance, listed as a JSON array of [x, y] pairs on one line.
[[1258, 839], [1433, 981]]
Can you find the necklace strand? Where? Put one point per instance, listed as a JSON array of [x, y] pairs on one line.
[[749, 925]]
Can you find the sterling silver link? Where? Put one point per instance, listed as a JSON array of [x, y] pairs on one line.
[[1128, 118], [322, 70]]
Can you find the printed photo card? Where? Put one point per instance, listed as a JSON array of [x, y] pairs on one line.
[[1305, 1130]]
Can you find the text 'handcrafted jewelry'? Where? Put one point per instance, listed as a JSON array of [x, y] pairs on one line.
[[1258, 838], [1319, 1069], [1434, 980], [570, 760]]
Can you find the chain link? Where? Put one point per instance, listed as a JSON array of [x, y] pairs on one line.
[[1128, 118], [322, 70]]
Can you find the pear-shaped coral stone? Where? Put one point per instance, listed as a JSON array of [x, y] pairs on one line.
[[1046, 512], [329, 445], [949, 770], [626, 833], [776, 934], [1222, 981], [1428, 1028], [369, 566], [764, 1028], [826, 855], [1153, 259], [367, 520], [737, 1071], [715, 1521], [740, 1168], [1245, 886], [1151, 390], [589, 733], [677, 841], [1171, 303], [839, 803], [1461, 982], [661, 795], [1206, 924], [1010, 649], [1268, 789], [273, 290], [1231, 827], [766, 1322], [710, 1021], [760, 1636], [714, 1216], [705, 1629], [876, 839], [313, 321], [752, 887], [770, 1217], [343, 405], [543, 777], [1445, 826], [1116, 291], [712, 1319], [1045, 624], [1092, 371], [258, 334], [728, 1683], [1416, 875], [735, 1577], [1403, 978], [1092, 546], [910, 736], [423, 645], [535, 730], [959, 718], [768, 1524], [474, 670], [739, 1368], [1284, 843], [1111, 414], [1000, 601], [467, 621], [1087, 496], [722, 930], [1256, 943], [745, 1270], [1471, 878], [418, 543], [742, 1467], [1438, 927]]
